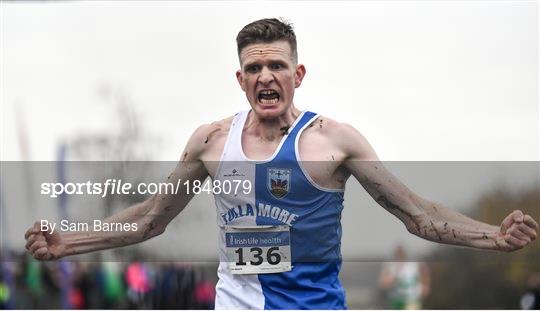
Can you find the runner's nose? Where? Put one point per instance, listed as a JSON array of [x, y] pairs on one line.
[[266, 76]]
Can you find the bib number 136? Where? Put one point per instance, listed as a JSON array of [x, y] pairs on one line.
[[272, 255], [260, 249]]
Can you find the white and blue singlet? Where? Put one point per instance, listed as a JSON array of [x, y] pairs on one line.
[[282, 194]]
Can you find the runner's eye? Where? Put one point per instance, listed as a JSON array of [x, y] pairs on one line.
[[253, 68], [276, 66]]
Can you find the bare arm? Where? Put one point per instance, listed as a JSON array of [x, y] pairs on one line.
[[427, 219], [150, 216]]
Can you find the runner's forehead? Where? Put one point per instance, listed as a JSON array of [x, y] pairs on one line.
[[279, 49]]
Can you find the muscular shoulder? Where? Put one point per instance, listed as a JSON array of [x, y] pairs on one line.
[[206, 139], [344, 137]]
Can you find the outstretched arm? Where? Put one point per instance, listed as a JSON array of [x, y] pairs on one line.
[[427, 219], [150, 216]]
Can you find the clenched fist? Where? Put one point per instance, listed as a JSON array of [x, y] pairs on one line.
[[517, 230], [43, 245]]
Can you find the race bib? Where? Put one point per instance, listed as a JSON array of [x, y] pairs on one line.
[[258, 249]]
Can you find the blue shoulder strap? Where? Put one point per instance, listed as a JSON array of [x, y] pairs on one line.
[[287, 150]]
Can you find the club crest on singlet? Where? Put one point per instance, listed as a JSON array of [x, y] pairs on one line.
[[278, 181]]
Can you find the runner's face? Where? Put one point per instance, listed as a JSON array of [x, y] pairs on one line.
[[269, 76]]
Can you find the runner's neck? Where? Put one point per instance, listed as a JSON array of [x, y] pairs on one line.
[[271, 129]]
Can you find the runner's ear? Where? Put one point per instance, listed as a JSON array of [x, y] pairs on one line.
[[299, 75], [240, 79]]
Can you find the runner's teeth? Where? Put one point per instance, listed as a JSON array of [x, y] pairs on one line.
[[269, 101], [268, 95]]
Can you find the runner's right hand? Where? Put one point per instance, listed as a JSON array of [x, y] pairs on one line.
[[43, 245]]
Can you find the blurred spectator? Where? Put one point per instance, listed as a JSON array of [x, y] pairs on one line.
[[4, 295], [406, 283], [205, 294], [531, 299], [140, 282], [110, 284], [34, 282]]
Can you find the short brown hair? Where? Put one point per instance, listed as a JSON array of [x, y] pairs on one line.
[[266, 31]]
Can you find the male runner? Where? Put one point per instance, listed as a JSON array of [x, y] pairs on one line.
[[280, 243]]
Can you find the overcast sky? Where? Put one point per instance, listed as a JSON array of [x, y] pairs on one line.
[[422, 80]]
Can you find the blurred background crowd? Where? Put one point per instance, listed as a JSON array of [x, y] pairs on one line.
[[29, 284]]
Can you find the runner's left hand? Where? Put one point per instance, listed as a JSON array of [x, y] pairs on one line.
[[517, 231]]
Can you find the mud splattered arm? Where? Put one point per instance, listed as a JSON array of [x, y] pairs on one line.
[[434, 222], [146, 219], [424, 218]]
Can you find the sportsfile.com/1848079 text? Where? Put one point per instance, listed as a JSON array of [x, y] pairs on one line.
[[119, 187]]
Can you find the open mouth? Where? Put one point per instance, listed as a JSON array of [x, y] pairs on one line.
[[268, 97]]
